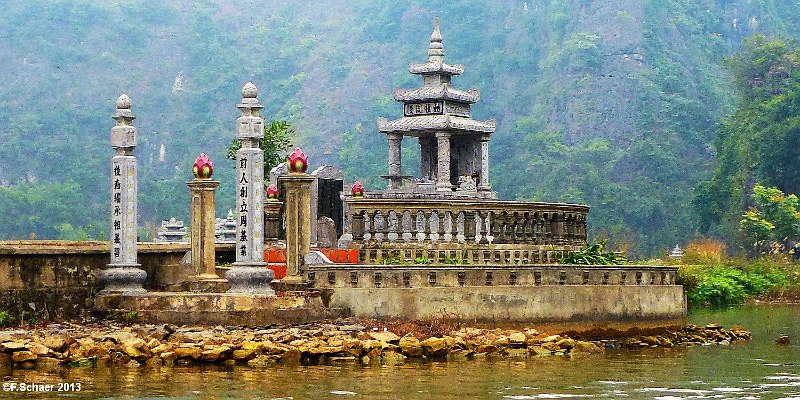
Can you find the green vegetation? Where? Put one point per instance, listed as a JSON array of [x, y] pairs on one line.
[[593, 254], [130, 316], [611, 105], [6, 319], [733, 282], [772, 225], [749, 199]]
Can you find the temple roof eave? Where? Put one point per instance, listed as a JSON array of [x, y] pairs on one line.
[[443, 92], [433, 67], [430, 123]]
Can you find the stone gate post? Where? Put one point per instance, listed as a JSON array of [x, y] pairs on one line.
[[250, 273], [123, 273], [297, 186], [201, 189]]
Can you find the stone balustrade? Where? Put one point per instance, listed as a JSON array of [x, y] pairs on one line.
[[376, 221], [417, 276], [463, 253]]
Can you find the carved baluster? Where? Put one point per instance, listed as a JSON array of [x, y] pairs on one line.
[[369, 225], [432, 226], [392, 225], [358, 226], [380, 226], [469, 226], [496, 222], [440, 228], [484, 222], [448, 226], [421, 223], [547, 225], [459, 224], [527, 228], [407, 224]]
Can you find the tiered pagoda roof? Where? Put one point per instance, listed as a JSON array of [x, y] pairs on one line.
[[436, 105]]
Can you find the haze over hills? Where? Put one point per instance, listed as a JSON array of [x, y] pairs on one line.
[[610, 103]]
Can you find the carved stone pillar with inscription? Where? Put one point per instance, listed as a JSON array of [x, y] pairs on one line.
[[483, 184], [443, 162], [123, 273], [249, 273]]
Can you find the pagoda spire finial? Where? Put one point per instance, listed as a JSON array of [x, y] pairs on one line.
[[436, 49]]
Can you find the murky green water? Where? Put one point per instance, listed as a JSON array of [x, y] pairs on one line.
[[757, 370]]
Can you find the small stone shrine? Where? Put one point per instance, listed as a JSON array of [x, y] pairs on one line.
[[454, 148], [225, 229], [172, 230]]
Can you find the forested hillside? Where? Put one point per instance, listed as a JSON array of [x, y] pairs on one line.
[[615, 104]]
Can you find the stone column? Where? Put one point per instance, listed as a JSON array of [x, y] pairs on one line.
[[202, 213], [484, 185], [297, 187], [395, 159], [443, 162], [123, 273], [425, 158], [272, 220], [250, 273]]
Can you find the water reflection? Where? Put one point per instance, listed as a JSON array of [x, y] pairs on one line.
[[758, 370]]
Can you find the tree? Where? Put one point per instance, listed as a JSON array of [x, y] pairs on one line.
[[760, 142], [773, 222], [277, 139]]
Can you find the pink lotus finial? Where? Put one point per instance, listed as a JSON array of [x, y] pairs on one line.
[[203, 167], [298, 161], [358, 189], [272, 192]]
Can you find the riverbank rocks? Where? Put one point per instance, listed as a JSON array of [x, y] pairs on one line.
[[156, 346]]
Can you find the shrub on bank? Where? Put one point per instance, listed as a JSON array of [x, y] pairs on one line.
[[734, 281]]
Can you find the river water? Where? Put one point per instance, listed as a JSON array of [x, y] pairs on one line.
[[759, 369]]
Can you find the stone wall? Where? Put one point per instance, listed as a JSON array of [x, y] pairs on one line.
[[514, 303], [58, 279], [502, 293], [413, 276]]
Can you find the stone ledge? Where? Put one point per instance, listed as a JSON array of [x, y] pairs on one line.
[[217, 308]]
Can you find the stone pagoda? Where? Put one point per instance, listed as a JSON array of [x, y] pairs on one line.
[[454, 148]]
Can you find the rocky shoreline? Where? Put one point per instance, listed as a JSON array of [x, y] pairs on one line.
[[135, 345]]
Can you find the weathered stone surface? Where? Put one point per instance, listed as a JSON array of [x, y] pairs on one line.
[[585, 347], [387, 337], [22, 356], [214, 353], [135, 348], [57, 342], [517, 338], [435, 347], [192, 352], [13, 346], [410, 346], [566, 344]]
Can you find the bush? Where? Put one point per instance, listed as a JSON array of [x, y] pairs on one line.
[[706, 251], [6, 319], [724, 285]]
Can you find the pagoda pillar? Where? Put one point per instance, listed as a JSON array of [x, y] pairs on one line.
[[483, 184], [395, 159], [443, 162]]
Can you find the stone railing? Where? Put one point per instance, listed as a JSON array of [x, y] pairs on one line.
[[376, 221], [411, 276], [462, 253]]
